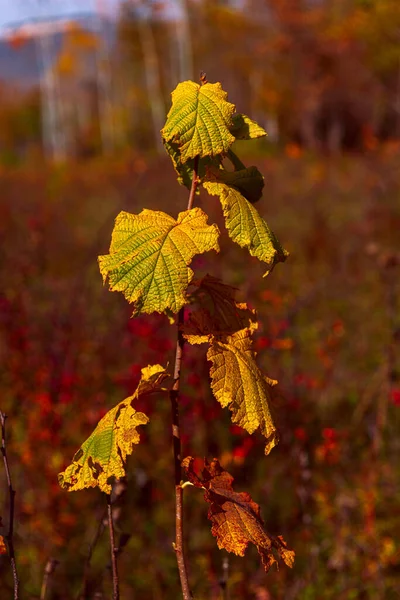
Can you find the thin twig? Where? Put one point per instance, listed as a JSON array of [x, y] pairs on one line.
[[11, 491], [113, 550], [48, 571], [100, 528], [174, 396]]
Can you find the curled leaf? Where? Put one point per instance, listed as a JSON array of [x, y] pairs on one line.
[[103, 455], [235, 517], [199, 120], [150, 255]]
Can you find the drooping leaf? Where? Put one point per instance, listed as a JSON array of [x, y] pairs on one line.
[[103, 455], [199, 120], [235, 517], [245, 225], [3, 547], [238, 383], [249, 182], [217, 313], [150, 254], [244, 128]]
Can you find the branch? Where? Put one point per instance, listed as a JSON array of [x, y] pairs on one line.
[[11, 491], [176, 437], [100, 528], [113, 550]]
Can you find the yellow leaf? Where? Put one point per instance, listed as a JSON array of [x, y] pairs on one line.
[[238, 383], [103, 455], [245, 225], [150, 254], [199, 120], [244, 128]]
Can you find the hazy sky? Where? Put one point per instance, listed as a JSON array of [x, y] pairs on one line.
[[15, 11]]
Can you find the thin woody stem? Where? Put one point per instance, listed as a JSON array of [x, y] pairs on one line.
[[113, 550], [100, 528], [176, 437], [11, 491]]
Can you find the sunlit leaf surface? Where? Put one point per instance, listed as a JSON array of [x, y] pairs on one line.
[[245, 225], [235, 517], [199, 120], [244, 128], [238, 383], [149, 257], [102, 456]]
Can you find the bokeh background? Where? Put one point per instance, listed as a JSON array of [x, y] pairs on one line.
[[84, 92]]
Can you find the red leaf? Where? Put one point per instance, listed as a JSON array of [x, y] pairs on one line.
[[235, 517]]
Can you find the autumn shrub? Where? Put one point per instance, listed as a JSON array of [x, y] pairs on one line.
[[148, 262]]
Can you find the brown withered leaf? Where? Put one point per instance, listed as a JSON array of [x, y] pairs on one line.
[[235, 517], [216, 312]]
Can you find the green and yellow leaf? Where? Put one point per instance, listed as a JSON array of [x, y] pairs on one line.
[[238, 383], [150, 255], [235, 517], [103, 455], [199, 120], [244, 128], [245, 225]]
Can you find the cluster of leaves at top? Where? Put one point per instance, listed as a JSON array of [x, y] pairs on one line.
[[148, 262]]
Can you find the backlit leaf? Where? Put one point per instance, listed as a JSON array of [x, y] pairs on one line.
[[103, 455], [238, 383], [235, 517], [199, 120], [244, 128], [245, 225], [150, 255]]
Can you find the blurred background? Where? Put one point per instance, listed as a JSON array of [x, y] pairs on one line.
[[84, 91]]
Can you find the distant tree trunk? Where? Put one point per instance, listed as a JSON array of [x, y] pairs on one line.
[[104, 91], [183, 42], [53, 138], [152, 73]]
